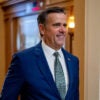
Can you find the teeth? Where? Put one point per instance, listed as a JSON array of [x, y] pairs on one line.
[[60, 35]]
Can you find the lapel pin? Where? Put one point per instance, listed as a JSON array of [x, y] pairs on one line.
[[69, 59]]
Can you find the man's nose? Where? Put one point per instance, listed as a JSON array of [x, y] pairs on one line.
[[62, 29]]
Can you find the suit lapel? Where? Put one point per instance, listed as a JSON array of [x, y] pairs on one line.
[[44, 68], [69, 69]]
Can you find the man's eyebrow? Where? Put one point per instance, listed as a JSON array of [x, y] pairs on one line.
[[55, 24]]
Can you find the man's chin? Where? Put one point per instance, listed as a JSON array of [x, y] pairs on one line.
[[60, 45]]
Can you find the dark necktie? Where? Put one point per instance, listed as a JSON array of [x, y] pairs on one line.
[[59, 77]]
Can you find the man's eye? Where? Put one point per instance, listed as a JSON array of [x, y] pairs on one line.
[[58, 24], [65, 25]]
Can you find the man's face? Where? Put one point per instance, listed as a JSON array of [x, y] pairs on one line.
[[54, 31]]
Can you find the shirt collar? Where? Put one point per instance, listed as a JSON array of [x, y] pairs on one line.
[[48, 50]]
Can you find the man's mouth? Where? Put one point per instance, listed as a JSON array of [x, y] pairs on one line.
[[61, 36]]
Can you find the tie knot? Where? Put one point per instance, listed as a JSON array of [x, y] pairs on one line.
[[56, 54]]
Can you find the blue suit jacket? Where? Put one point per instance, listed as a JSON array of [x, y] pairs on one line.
[[29, 75]]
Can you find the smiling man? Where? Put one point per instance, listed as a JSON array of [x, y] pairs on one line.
[[46, 71]]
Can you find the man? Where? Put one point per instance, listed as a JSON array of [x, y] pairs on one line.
[[34, 73]]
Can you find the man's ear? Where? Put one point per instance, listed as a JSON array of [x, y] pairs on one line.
[[42, 29]]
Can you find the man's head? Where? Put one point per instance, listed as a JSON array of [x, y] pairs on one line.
[[52, 26], [43, 15]]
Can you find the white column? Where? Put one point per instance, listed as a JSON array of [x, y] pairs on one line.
[[92, 49]]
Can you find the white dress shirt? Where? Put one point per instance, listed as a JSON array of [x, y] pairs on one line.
[[50, 59]]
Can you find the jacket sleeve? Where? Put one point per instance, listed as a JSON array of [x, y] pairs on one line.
[[13, 81]]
